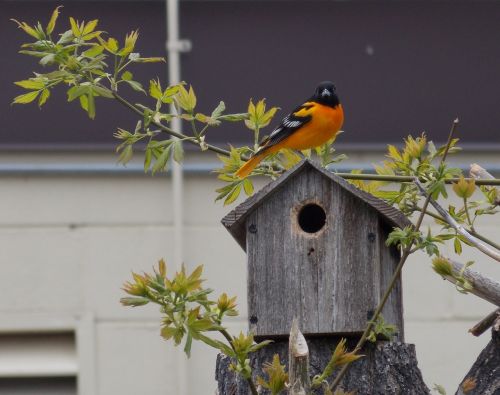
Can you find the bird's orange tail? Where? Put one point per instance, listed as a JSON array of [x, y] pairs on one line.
[[249, 165]]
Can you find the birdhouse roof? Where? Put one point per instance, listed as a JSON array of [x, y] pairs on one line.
[[235, 220]]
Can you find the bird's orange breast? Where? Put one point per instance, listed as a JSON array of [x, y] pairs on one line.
[[324, 125]]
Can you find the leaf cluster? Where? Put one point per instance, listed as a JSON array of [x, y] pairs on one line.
[[187, 310], [381, 330], [92, 64], [277, 377], [189, 313], [340, 357]]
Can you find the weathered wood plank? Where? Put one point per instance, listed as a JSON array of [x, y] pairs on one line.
[[389, 259], [330, 280], [347, 283]]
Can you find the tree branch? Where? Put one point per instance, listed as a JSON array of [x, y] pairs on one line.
[[472, 232], [379, 177], [478, 173], [167, 130], [483, 287], [459, 228], [483, 325], [347, 176]]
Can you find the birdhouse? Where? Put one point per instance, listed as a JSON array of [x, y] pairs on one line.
[[316, 251]]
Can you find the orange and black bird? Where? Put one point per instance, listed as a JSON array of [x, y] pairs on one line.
[[310, 125]]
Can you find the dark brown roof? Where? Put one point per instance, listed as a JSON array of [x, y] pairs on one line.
[[235, 220]]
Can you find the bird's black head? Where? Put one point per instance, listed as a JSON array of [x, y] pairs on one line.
[[326, 94]]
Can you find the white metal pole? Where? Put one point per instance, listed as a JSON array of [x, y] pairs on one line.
[[174, 77]]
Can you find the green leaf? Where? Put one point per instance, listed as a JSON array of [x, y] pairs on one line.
[[43, 97], [440, 389], [177, 333], [66, 37], [155, 89], [262, 344], [187, 346], [112, 44], [84, 103], [457, 245], [147, 159], [74, 27], [277, 375], [148, 60], [130, 40], [94, 51], [248, 186], [89, 27], [26, 98], [53, 19], [48, 59], [233, 195], [161, 162], [136, 86], [30, 84], [91, 105], [101, 91], [178, 151], [218, 110], [134, 302], [77, 91], [217, 344], [126, 154], [234, 117], [28, 29], [127, 76], [463, 188], [186, 99]]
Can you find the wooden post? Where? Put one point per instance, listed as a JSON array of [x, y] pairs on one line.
[[298, 360]]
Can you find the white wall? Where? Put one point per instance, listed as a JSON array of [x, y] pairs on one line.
[[69, 242]]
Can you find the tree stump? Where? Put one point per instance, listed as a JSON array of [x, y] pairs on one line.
[[388, 368], [485, 372]]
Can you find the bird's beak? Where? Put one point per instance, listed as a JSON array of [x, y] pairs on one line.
[[325, 92]]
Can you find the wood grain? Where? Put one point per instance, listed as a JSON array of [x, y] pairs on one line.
[[331, 280]]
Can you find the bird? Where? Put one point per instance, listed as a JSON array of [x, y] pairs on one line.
[[309, 125]]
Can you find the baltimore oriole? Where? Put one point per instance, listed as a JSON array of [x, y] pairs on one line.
[[309, 125]]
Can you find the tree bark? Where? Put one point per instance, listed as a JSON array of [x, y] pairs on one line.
[[485, 373], [388, 368]]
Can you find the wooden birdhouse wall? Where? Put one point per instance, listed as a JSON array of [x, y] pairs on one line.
[[331, 279]]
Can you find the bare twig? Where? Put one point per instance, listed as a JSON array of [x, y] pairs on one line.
[[396, 275], [455, 225], [483, 325]]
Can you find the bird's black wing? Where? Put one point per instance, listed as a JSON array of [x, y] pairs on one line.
[[287, 126]]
